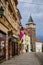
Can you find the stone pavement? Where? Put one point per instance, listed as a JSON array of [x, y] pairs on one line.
[[23, 59], [40, 57]]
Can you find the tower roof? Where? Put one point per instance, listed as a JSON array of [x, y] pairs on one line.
[[30, 19]]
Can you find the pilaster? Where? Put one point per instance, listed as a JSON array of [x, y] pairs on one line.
[[6, 46]]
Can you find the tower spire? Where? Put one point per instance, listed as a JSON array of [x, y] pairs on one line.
[[30, 19]]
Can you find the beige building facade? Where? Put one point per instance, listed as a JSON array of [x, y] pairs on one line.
[[10, 21]]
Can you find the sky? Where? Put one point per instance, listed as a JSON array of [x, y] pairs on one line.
[[36, 11]]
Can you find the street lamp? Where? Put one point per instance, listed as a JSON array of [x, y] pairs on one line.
[[1, 11]]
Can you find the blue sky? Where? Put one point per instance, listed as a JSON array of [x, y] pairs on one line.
[[36, 12]]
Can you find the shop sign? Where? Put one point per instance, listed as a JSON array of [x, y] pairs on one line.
[[19, 41]]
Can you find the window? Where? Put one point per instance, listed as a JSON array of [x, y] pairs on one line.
[[5, 1], [9, 8]]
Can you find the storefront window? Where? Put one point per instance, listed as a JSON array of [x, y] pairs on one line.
[[2, 36], [2, 44], [1, 48]]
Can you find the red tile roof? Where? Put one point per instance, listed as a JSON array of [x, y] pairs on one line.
[[37, 40]]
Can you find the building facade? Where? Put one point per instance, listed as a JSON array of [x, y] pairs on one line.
[[25, 38], [38, 45], [31, 27], [9, 27]]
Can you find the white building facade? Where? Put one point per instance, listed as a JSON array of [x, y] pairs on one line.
[[38, 46]]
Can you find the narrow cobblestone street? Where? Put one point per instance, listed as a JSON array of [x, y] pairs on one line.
[[23, 59]]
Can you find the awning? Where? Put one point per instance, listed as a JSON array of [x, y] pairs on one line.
[[15, 36]]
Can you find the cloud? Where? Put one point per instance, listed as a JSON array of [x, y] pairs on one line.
[[36, 12], [32, 8], [38, 1], [25, 0], [37, 15]]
